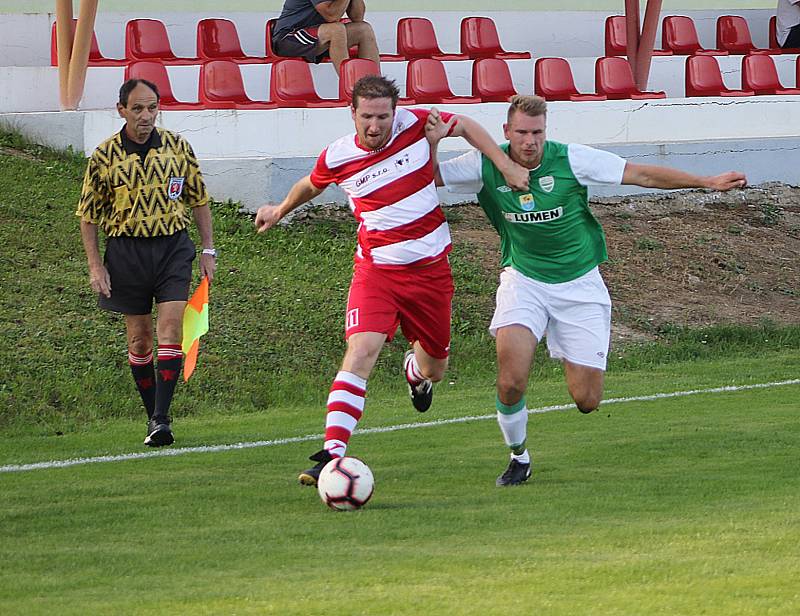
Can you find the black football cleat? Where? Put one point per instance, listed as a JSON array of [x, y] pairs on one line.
[[309, 476], [516, 474], [159, 432], [422, 393]]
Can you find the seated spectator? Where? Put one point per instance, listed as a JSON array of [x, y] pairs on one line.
[[314, 30], [788, 23]]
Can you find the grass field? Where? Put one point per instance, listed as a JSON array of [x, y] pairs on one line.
[[683, 505], [679, 505]]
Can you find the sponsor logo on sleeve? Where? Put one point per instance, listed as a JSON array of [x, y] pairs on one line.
[[175, 188]]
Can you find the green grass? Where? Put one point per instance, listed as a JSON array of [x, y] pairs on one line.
[[682, 506], [277, 309], [676, 506]]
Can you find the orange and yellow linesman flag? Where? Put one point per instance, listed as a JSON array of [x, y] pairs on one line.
[[195, 324]]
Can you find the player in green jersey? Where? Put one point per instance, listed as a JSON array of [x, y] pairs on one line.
[[551, 246]]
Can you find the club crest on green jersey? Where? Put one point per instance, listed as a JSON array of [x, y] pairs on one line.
[[547, 183], [526, 202]]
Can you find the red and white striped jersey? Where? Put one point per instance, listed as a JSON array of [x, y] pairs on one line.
[[391, 193]]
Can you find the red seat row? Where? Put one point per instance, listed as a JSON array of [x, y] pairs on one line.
[[217, 39], [679, 37], [291, 83], [759, 76]]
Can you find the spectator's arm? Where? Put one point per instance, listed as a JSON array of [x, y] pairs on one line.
[[332, 10]]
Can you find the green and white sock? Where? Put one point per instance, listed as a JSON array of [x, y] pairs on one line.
[[513, 421]]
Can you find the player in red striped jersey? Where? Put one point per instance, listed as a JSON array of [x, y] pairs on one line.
[[402, 273]]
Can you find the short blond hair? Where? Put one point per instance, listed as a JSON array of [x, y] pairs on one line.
[[529, 105]]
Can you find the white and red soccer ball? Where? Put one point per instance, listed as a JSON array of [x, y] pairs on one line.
[[345, 484]]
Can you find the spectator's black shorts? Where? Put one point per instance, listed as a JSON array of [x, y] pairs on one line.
[[143, 269], [299, 44]]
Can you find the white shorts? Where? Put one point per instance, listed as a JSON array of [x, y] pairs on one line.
[[575, 316]]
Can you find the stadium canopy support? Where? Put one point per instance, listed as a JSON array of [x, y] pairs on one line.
[[73, 49], [640, 45]]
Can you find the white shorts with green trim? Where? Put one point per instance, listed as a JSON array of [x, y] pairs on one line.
[[575, 316]]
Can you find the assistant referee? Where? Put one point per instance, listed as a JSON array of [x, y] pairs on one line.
[[140, 186]]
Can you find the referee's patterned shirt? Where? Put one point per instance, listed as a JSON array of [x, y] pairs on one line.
[[144, 193]]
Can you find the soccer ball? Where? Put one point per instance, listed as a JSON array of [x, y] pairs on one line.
[[345, 484]]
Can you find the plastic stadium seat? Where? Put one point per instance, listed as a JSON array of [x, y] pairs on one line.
[[773, 38], [704, 79], [291, 85], [146, 39], [416, 38], [479, 39], [491, 80], [733, 36], [221, 87], [553, 82], [759, 74], [354, 69], [95, 57], [617, 38], [613, 78], [217, 40], [426, 82], [156, 73], [679, 35]]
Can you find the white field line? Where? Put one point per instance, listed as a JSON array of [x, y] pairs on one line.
[[179, 451]]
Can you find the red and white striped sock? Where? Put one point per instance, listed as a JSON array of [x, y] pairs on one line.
[[413, 374], [345, 407]]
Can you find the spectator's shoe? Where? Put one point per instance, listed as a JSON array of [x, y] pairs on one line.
[[309, 477], [515, 474], [422, 393], [159, 432]]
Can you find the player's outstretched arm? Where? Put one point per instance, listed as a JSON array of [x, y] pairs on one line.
[[652, 176], [436, 129], [269, 215]]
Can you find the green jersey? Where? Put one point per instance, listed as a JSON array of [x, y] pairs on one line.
[[549, 233]]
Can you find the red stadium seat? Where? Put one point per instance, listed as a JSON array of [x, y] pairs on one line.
[[613, 78], [759, 74], [416, 38], [679, 35], [146, 39], [217, 40], [617, 38], [773, 38], [354, 69], [426, 82], [553, 82], [221, 87], [291, 85], [704, 79], [491, 80], [479, 39], [733, 36], [156, 73], [95, 57]]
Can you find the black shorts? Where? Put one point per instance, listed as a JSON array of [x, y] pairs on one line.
[[300, 43], [143, 269]]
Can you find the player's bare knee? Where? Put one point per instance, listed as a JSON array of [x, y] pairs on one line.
[[510, 389], [587, 404], [140, 344], [335, 32]]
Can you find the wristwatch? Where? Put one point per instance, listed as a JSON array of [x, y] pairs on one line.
[[210, 251]]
